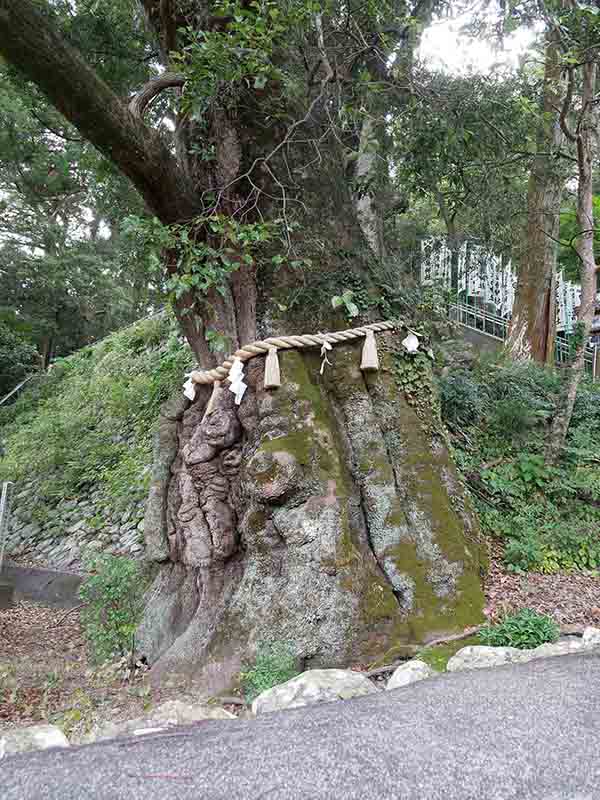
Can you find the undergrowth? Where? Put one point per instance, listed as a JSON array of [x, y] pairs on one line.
[[499, 418], [90, 421], [113, 597], [274, 664], [525, 630]]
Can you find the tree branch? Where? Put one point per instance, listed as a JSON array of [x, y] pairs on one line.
[[566, 107], [152, 89], [30, 38]]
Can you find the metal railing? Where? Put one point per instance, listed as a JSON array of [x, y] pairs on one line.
[[17, 388], [5, 497], [478, 318]]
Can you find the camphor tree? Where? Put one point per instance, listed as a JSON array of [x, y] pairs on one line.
[[327, 512]]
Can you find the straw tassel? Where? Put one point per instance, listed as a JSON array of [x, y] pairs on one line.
[[272, 374], [370, 359], [212, 402]]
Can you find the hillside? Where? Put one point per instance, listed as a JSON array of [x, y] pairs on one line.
[[78, 445]]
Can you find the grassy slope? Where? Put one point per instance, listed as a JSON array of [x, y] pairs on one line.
[[498, 415], [90, 421]]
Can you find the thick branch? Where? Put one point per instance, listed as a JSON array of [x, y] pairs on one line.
[[152, 89], [566, 106], [31, 40]]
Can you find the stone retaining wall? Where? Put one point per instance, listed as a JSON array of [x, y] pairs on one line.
[[59, 534]]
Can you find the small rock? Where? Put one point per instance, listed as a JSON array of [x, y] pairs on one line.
[[313, 686], [562, 648], [36, 737], [591, 637], [571, 630], [410, 672], [74, 528], [481, 656]]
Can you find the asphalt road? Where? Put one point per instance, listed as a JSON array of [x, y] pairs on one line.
[[523, 731]]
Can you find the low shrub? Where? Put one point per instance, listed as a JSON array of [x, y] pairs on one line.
[[525, 630], [274, 664], [548, 516], [461, 398], [113, 594], [512, 415]]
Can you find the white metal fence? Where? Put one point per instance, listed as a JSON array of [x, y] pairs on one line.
[[484, 321]]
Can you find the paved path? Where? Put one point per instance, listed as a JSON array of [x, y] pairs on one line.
[[522, 731], [45, 586]]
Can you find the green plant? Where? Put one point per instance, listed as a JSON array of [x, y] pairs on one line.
[[274, 664], [113, 594], [532, 470], [346, 302], [461, 398], [523, 552], [512, 415], [525, 630]]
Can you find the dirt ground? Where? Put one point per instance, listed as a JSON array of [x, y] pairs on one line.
[[46, 674], [571, 599]]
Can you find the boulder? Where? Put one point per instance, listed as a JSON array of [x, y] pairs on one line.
[[591, 637], [562, 648], [36, 737], [313, 686], [410, 672], [169, 714], [480, 657]]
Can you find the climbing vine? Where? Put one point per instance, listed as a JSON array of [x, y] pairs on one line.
[[414, 377]]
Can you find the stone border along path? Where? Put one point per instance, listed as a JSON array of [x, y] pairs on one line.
[[309, 688]]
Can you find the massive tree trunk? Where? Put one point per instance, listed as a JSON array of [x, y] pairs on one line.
[[532, 329], [326, 513]]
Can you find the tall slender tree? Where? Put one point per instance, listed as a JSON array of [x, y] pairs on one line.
[[532, 329], [579, 122]]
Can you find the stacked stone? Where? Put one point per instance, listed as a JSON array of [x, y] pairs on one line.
[[60, 534]]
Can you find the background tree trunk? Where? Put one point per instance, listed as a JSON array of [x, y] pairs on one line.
[[532, 329], [584, 138]]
